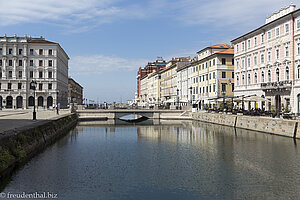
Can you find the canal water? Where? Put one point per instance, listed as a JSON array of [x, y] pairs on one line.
[[178, 160]]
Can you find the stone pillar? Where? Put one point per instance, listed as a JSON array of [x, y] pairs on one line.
[[15, 50], [25, 68], [25, 50], [4, 50], [14, 68], [14, 103]]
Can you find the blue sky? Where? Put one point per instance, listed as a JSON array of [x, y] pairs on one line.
[[107, 40]]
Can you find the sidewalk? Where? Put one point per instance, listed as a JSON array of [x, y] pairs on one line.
[[12, 119]]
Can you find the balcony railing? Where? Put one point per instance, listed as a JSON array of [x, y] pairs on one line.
[[277, 84]]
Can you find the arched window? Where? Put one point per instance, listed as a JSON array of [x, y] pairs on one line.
[[298, 68], [255, 78], [287, 73], [249, 79], [277, 74], [237, 80], [269, 76], [262, 76]]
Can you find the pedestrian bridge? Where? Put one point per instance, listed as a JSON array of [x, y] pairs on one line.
[[91, 114]]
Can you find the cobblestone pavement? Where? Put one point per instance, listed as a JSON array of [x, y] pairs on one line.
[[12, 119]]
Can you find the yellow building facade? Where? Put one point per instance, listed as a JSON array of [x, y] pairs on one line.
[[213, 75]]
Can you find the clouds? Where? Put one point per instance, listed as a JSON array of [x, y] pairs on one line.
[[98, 64], [226, 12], [83, 15], [70, 14]]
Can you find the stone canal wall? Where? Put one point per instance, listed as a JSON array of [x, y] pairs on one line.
[[19, 145], [289, 128]]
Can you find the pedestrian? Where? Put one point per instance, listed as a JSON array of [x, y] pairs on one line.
[[57, 110]]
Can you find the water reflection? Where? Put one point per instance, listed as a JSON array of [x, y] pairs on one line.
[[170, 160]]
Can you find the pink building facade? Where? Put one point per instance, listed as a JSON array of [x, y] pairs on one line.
[[267, 62]]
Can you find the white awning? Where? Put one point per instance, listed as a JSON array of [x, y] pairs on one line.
[[170, 101]]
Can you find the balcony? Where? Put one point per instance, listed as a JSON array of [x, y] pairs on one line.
[[276, 85]]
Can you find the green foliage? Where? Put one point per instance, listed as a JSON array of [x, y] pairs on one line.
[[5, 158]]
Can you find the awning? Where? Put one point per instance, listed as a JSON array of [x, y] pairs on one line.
[[183, 101], [170, 101]]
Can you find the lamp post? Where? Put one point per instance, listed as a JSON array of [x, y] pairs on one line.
[[33, 85], [191, 88], [177, 98]]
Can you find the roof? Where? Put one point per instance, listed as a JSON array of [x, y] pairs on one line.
[[40, 40], [274, 21], [227, 51], [217, 46]]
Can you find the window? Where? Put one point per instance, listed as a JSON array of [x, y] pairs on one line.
[[20, 62], [269, 35], [298, 49], [223, 74], [255, 41], [298, 69], [223, 87], [0, 62], [9, 62], [50, 52], [40, 63], [262, 77], [40, 74], [243, 46], [31, 52], [10, 51], [206, 65], [269, 56], [232, 74], [243, 63], [232, 87], [232, 61], [31, 74], [298, 23], [262, 58], [20, 74], [223, 61], [214, 75], [249, 79], [209, 88], [214, 61], [255, 78], [237, 80], [243, 80], [31, 63], [0, 51], [249, 61], [287, 28], [277, 74], [214, 87], [19, 86], [209, 76], [50, 74], [41, 52], [249, 44], [255, 60], [0, 86], [269, 76], [40, 86], [9, 74], [262, 38], [9, 86], [50, 86], [277, 54], [50, 63], [237, 48], [277, 32], [287, 52], [210, 63], [287, 73]]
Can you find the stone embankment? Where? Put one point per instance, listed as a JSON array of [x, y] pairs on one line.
[[20, 144], [283, 127]]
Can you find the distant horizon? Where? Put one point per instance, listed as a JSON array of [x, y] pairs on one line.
[[107, 41]]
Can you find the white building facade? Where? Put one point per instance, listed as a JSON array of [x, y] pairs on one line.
[[267, 61], [26, 59]]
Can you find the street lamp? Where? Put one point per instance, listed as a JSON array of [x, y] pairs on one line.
[[177, 98], [33, 85], [191, 88]]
